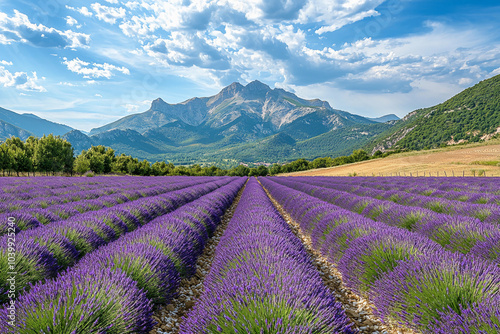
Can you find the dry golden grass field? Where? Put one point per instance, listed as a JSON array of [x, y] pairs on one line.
[[479, 159]]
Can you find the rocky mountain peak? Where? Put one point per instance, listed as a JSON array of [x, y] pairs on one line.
[[157, 103], [232, 89], [256, 85]]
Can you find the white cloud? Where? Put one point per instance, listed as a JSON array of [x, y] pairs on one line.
[[82, 10], [93, 70], [19, 28], [336, 14], [98, 95], [184, 49], [133, 107], [343, 21], [108, 14], [71, 21], [77, 84], [5, 63], [20, 80]]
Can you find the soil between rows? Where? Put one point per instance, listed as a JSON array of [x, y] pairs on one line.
[[169, 317], [357, 308]]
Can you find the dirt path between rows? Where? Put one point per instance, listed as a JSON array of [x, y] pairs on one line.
[[169, 317], [358, 309]]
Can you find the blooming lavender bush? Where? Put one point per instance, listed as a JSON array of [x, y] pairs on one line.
[[262, 280], [410, 279], [67, 241], [84, 300], [427, 291], [111, 289], [453, 232]]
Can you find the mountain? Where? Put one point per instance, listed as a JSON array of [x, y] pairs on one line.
[[470, 116], [255, 109], [385, 118], [33, 124], [8, 130], [78, 140], [241, 123]]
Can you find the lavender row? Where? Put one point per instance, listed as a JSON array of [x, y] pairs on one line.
[[414, 186], [113, 289], [33, 218], [489, 213], [125, 187], [14, 188], [42, 253], [455, 233], [439, 186], [262, 280], [410, 279]]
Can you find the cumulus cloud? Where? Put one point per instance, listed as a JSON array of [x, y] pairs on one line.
[[336, 14], [93, 70], [19, 28], [136, 107], [82, 10], [225, 37], [108, 14], [187, 50], [20, 80], [71, 21]]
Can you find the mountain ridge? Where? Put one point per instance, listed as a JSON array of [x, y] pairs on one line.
[[32, 124], [256, 99]]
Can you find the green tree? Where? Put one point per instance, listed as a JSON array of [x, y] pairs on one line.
[[275, 169], [81, 165], [144, 168], [133, 167], [98, 158], [5, 158], [359, 155], [53, 154], [321, 162], [241, 170], [120, 164]]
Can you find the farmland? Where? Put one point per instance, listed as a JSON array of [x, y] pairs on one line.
[[246, 255], [460, 160]]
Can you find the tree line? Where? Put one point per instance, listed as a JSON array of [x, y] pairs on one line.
[[51, 155]]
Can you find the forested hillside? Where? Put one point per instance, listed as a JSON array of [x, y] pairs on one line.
[[470, 116]]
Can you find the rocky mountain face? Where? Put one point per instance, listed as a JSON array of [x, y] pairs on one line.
[[254, 108]]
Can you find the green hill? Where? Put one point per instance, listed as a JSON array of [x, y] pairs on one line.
[[469, 116]]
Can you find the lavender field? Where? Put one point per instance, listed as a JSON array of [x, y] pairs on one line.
[[180, 254]]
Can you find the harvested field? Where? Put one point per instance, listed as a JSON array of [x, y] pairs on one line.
[[467, 160]]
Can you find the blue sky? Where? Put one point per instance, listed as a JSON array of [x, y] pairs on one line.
[[86, 63]]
